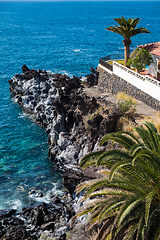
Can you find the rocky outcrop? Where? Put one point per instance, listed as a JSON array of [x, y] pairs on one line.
[[92, 79], [72, 120], [59, 104], [51, 219]]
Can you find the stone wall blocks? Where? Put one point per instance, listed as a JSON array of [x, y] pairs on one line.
[[114, 84]]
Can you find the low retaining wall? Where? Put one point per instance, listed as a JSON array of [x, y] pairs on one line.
[[114, 84], [145, 83]]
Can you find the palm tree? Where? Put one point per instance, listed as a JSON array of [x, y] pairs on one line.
[[126, 201], [127, 29]]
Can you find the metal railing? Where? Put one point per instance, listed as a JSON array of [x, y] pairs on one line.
[[104, 61], [106, 64]]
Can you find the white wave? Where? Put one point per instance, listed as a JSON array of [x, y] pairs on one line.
[[68, 74], [84, 79], [50, 72], [76, 50], [23, 115], [60, 72], [13, 204], [49, 194]]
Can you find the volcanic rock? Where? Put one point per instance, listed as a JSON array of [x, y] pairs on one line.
[[59, 104]]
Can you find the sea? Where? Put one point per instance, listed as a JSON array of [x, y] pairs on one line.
[[64, 37]]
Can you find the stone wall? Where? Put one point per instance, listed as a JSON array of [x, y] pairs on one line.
[[114, 84]]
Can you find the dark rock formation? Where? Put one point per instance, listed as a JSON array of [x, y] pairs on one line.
[[92, 79], [59, 104], [46, 217]]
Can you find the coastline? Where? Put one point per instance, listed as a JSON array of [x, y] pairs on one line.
[[75, 118], [59, 104]]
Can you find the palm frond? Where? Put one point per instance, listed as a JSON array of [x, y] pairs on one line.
[[127, 27], [123, 140], [149, 199], [129, 193], [112, 156], [111, 207], [128, 206], [116, 166], [90, 159], [149, 157]]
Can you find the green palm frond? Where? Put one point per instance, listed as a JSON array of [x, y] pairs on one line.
[[84, 185], [131, 135], [99, 184], [109, 192], [153, 134], [117, 166], [149, 199], [123, 140], [110, 208], [129, 193], [149, 136], [127, 28], [136, 148], [90, 159], [144, 135], [149, 157], [110, 157], [130, 204]]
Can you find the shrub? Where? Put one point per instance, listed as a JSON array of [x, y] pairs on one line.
[[140, 58], [126, 107]]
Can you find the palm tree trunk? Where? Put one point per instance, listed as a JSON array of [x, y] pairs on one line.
[[127, 43]]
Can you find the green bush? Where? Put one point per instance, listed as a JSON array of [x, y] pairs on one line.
[[126, 107], [139, 59]]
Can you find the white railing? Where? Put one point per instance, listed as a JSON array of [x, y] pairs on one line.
[[152, 80], [145, 83], [129, 71]]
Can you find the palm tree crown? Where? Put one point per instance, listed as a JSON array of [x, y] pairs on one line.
[[127, 202], [127, 29]]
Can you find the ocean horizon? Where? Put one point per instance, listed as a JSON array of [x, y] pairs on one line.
[[61, 37]]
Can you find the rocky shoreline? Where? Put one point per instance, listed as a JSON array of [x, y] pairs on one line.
[[75, 123]]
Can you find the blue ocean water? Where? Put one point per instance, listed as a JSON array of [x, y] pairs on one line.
[[64, 37]]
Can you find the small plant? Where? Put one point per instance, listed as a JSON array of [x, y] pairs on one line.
[[45, 237], [129, 127], [126, 107], [87, 126], [125, 123], [90, 116], [126, 104], [124, 96], [99, 110], [68, 236]]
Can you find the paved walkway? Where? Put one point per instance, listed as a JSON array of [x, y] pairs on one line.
[[141, 107]]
